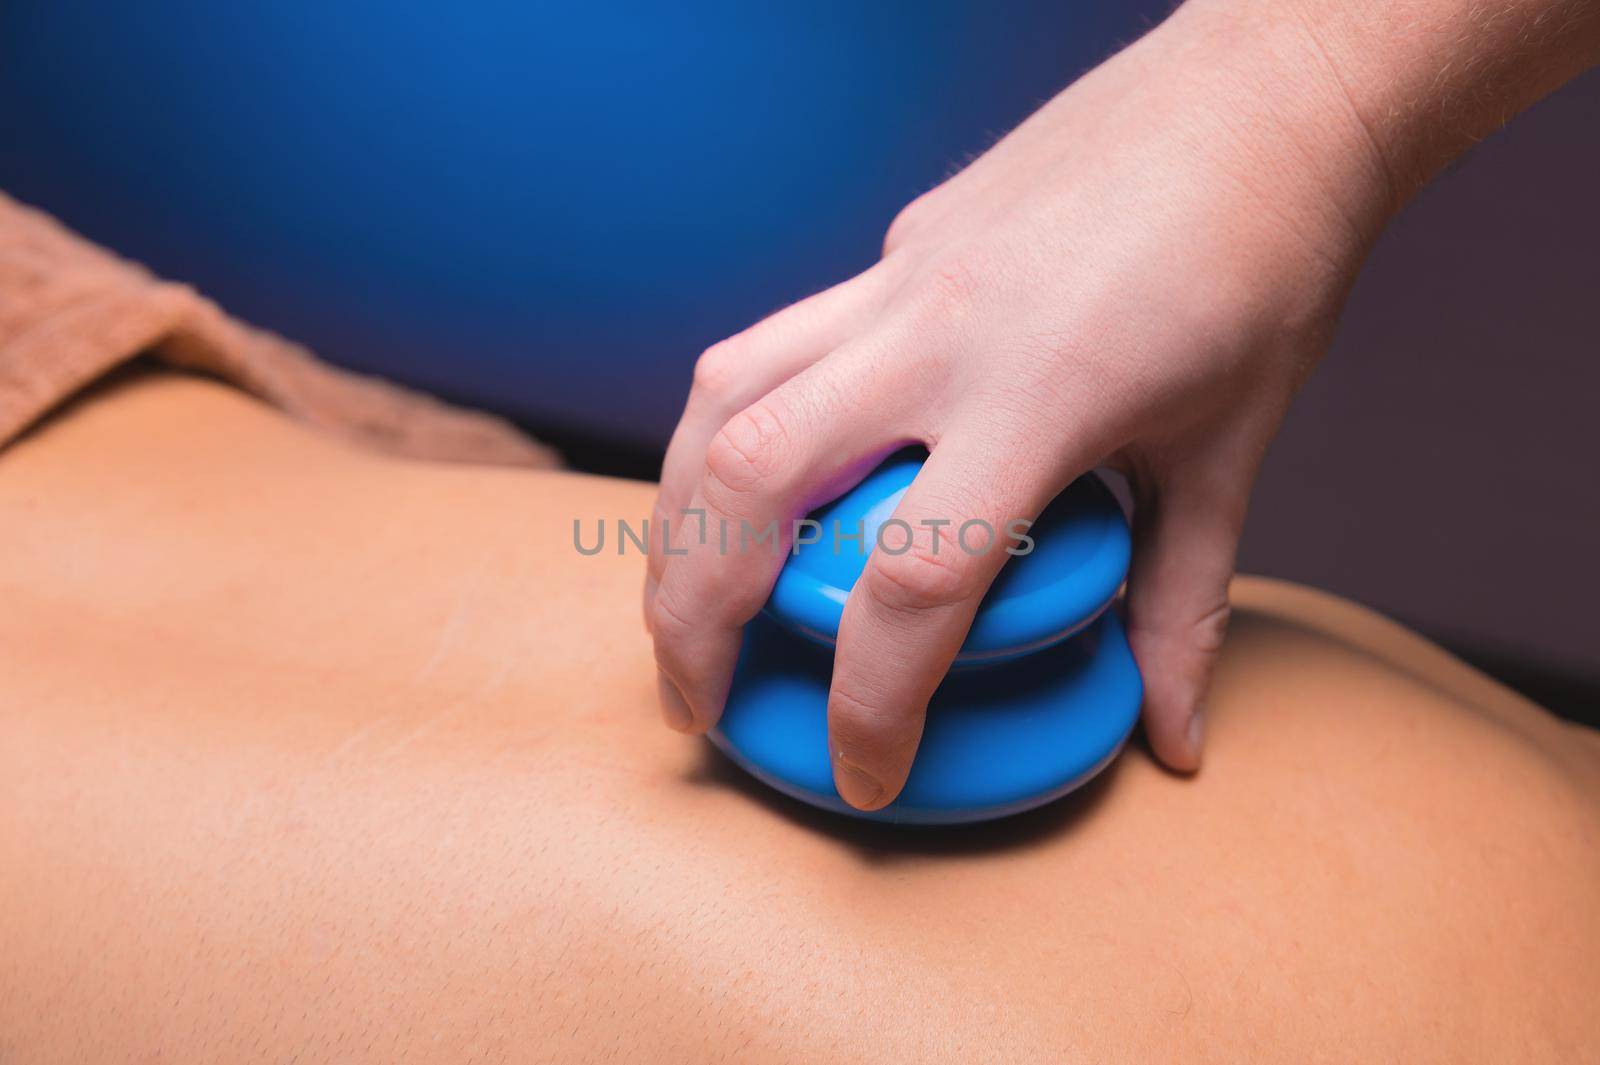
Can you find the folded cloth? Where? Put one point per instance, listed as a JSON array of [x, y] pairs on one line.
[[71, 311]]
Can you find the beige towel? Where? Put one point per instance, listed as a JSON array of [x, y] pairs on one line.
[[71, 311]]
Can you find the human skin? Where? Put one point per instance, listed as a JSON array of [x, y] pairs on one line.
[[1140, 276], [307, 754]]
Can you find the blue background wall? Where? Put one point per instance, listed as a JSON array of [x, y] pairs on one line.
[[545, 208]]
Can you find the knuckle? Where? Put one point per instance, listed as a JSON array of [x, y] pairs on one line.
[[860, 721], [1212, 628], [718, 372], [669, 626], [749, 451], [905, 224], [918, 580], [1179, 635]]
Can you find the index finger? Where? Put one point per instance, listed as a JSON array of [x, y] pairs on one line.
[[770, 464], [730, 376]]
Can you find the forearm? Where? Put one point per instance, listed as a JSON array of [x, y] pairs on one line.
[[1429, 78], [1420, 80]]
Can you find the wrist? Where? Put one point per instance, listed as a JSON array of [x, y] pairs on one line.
[[1280, 121], [1419, 81]]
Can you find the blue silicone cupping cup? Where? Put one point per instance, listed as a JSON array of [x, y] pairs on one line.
[[1043, 694]]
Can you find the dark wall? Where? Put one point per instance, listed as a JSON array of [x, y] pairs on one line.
[[1441, 465]]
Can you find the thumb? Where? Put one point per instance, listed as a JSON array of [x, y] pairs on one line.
[[1186, 534]]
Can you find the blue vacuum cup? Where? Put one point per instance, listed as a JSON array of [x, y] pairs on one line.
[[1041, 697]]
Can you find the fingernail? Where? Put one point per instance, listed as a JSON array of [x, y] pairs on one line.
[[673, 705], [856, 786], [1195, 734]]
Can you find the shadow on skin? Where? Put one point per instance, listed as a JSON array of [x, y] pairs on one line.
[[878, 842]]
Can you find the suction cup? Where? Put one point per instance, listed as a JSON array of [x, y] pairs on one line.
[[1044, 693]]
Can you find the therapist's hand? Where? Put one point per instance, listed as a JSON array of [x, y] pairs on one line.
[[1141, 275]]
